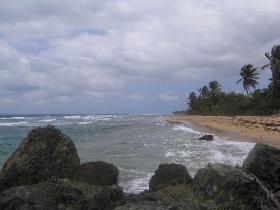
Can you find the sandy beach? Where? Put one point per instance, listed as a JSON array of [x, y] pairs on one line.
[[238, 128]]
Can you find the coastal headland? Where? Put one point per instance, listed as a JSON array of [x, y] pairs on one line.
[[265, 129]]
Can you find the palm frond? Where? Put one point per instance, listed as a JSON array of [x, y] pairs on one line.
[[238, 81], [265, 66]]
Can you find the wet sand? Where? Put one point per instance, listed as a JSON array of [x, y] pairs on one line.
[[239, 128]]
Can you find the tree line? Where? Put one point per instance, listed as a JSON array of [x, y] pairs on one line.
[[211, 100]]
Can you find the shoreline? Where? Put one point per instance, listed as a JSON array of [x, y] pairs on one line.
[[239, 128]]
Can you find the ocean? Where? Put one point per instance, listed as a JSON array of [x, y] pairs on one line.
[[136, 144]]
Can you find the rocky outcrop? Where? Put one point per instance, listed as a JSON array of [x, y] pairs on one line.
[[207, 138], [44, 173], [97, 173], [169, 174], [220, 186], [44, 153], [268, 124], [264, 162], [179, 197], [38, 174], [41, 195], [60, 194]]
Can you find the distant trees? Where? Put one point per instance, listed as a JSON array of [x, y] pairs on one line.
[[249, 77], [212, 100], [274, 64], [192, 101], [215, 90]]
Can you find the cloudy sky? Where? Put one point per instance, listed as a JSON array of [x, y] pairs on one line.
[[127, 56]]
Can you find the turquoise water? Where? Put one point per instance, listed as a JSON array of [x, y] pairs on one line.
[[136, 144]]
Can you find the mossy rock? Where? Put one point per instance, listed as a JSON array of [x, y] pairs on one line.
[[97, 173], [220, 186], [179, 197], [264, 162], [44, 153], [61, 194], [169, 175]]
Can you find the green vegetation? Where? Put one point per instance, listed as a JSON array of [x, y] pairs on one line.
[[212, 100]]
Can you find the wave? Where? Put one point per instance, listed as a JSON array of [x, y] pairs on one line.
[[186, 129], [136, 185], [13, 124], [47, 120], [83, 123], [126, 155], [73, 117], [230, 152], [101, 117], [21, 118], [15, 118], [195, 154], [18, 118], [132, 171]]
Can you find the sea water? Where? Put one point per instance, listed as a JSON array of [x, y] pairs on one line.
[[136, 144]]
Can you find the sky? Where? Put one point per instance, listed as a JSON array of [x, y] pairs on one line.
[[127, 56]]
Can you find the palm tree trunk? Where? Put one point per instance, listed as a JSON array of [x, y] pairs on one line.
[[272, 93], [212, 103]]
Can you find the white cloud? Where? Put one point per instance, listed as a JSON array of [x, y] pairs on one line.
[[168, 96], [58, 50], [134, 97]]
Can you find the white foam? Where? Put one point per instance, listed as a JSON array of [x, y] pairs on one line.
[[47, 120], [13, 124], [136, 185], [73, 117], [170, 154], [186, 129], [199, 153], [162, 123], [84, 123], [132, 171], [18, 118], [101, 117], [237, 151]]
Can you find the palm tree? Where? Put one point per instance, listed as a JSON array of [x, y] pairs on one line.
[[249, 76], [274, 64], [203, 98], [215, 90]]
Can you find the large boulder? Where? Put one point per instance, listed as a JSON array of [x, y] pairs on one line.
[[60, 194], [207, 138], [97, 173], [219, 186], [44, 153], [169, 174], [179, 197], [264, 162]]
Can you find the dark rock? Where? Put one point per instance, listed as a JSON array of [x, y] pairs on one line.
[[169, 174], [220, 186], [41, 195], [44, 153], [207, 138], [97, 173], [179, 197], [100, 197], [60, 194], [264, 162]]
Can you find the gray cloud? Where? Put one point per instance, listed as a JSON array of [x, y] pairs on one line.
[[66, 51]]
